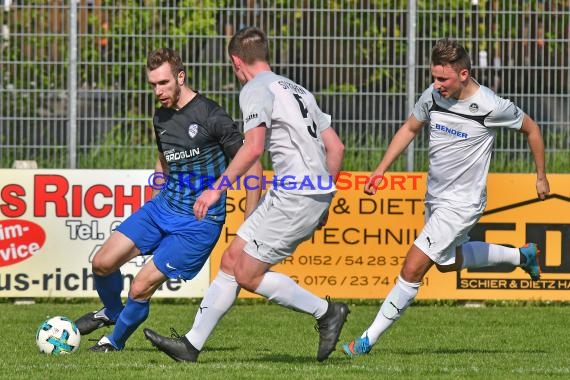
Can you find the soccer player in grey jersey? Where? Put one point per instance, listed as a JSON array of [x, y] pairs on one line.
[[462, 116], [284, 117]]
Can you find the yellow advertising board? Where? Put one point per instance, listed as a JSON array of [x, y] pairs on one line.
[[360, 251], [514, 215]]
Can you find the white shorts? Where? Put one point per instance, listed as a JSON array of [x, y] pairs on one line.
[[281, 222], [447, 225]]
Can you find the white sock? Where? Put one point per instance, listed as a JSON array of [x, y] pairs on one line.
[[478, 254], [397, 301], [282, 290], [218, 299]]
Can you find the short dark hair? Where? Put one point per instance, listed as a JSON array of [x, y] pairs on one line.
[[250, 44], [450, 52], [158, 57]]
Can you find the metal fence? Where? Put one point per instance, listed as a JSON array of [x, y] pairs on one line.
[[73, 90]]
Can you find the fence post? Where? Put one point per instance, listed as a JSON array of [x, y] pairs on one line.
[[24, 164], [411, 75], [72, 87]]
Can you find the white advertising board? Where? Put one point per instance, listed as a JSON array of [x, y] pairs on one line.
[[53, 221]]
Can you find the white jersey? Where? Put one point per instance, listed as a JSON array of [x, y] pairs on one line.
[[294, 124], [461, 139]]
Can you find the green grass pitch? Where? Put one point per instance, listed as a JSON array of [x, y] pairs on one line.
[[257, 340]]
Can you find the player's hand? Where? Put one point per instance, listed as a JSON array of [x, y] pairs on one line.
[[542, 187], [204, 201], [373, 182]]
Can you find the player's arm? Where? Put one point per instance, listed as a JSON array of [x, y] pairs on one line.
[[536, 144], [246, 156], [160, 167], [232, 142], [399, 143], [334, 149], [252, 187]]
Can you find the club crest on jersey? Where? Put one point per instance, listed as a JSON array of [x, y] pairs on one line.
[[193, 130], [473, 107]]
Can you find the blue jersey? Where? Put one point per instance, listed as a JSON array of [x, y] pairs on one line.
[[197, 142]]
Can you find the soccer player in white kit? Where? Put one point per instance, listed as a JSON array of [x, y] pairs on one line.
[[306, 154], [463, 117]]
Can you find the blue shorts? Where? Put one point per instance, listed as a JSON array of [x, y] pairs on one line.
[[180, 243]]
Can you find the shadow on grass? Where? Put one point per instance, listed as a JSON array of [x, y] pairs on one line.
[[206, 351], [298, 359], [447, 351]]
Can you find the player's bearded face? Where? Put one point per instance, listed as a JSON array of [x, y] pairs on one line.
[[173, 100], [165, 85], [170, 93]]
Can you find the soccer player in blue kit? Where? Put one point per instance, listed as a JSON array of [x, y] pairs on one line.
[[463, 117], [195, 139]]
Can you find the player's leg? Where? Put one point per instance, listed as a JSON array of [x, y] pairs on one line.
[[435, 244], [397, 301], [254, 275], [270, 235], [116, 251], [478, 254], [136, 308], [219, 297], [180, 255], [198, 239], [290, 220], [221, 293], [141, 231]]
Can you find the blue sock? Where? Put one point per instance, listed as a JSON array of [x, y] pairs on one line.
[[109, 289], [134, 313]]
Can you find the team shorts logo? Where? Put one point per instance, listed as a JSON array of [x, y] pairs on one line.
[[193, 130], [473, 107]]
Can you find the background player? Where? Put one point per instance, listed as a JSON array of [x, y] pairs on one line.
[[463, 116]]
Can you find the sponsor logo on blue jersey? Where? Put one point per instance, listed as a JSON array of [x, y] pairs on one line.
[[451, 131], [173, 155]]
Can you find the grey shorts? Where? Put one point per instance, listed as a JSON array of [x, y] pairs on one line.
[[281, 222], [447, 226]]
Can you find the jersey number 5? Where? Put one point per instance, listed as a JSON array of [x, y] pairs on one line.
[[305, 112]]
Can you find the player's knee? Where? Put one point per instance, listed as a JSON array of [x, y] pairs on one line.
[[139, 291], [244, 282], [229, 259], [102, 267], [411, 275]]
